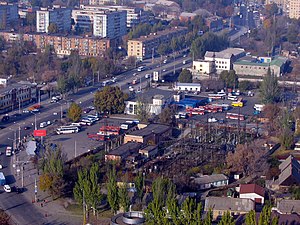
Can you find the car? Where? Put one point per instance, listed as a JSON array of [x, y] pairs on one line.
[[27, 128], [1, 167], [35, 110], [165, 61], [7, 188], [17, 115], [184, 62], [134, 74], [164, 70], [19, 190], [55, 113], [184, 56], [91, 107], [87, 110], [212, 120], [131, 88]]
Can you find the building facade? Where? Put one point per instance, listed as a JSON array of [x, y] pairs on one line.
[[17, 96], [102, 21], [98, 2], [63, 45], [8, 14], [223, 61], [187, 86], [294, 9], [146, 46], [59, 16], [202, 69]]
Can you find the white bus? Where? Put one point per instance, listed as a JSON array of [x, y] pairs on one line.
[[67, 130]]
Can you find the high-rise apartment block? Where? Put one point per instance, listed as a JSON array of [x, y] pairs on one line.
[[104, 22], [8, 15], [59, 16], [98, 2], [294, 9]]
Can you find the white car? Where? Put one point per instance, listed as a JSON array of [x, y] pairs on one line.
[[212, 120], [131, 88], [1, 167], [7, 188]]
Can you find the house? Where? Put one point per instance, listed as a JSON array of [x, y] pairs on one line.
[[150, 151], [220, 205], [287, 206], [202, 69], [214, 23], [153, 100], [224, 60], [289, 174], [187, 87], [151, 134], [120, 153], [253, 191], [258, 66], [187, 16], [209, 181]]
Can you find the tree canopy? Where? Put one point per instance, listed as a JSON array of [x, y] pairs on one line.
[[110, 99], [185, 76], [74, 112], [229, 78], [269, 89]]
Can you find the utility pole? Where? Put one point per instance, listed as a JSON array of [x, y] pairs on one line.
[[19, 135], [22, 171], [35, 190], [75, 149], [152, 55]]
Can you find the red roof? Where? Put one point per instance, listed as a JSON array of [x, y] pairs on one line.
[[252, 188]]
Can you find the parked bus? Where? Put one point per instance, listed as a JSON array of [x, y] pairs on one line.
[[216, 96], [67, 130], [235, 116], [8, 151]]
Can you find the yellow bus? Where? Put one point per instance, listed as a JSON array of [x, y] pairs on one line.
[[237, 104]]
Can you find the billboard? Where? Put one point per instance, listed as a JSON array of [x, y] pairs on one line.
[[39, 133]]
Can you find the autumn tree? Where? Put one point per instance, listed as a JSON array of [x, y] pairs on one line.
[[53, 28], [74, 112], [185, 76], [4, 218], [110, 99], [269, 89]]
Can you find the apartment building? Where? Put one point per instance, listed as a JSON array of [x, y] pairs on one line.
[[64, 45], [98, 2], [17, 96], [102, 21], [145, 46], [59, 16], [294, 9], [8, 14], [282, 4]]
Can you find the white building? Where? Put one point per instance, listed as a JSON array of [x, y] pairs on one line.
[[103, 21], [253, 191], [203, 182], [154, 100], [201, 68], [224, 60], [187, 86], [57, 15]]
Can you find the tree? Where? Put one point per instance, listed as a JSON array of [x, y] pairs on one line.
[[265, 216], [245, 85], [167, 116], [112, 191], [53, 170], [185, 76], [163, 49], [208, 218], [250, 218], [62, 85], [143, 110], [269, 90], [74, 112], [124, 201], [139, 185], [230, 78], [53, 28], [4, 218], [226, 219], [87, 187], [110, 99]]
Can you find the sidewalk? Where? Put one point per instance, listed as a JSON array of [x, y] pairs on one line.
[[54, 211]]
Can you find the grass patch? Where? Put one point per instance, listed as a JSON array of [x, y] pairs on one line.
[[74, 208], [105, 213]]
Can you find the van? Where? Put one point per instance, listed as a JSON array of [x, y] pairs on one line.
[[232, 98]]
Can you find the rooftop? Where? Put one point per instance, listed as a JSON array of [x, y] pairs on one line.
[[206, 179], [148, 95], [20, 85], [252, 188], [286, 206], [188, 84], [151, 128], [225, 54], [149, 148], [230, 204], [128, 147], [248, 60]]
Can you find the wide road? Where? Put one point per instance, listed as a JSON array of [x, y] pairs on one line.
[[17, 205]]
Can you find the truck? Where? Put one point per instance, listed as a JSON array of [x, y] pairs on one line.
[[8, 151], [2, 179]]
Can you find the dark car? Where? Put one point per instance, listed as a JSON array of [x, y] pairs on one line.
[[2, 127], [19, 190], [87, 110], [27, 128]]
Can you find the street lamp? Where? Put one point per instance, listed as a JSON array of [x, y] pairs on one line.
[[19, 131], [34, 120], [61, 111]]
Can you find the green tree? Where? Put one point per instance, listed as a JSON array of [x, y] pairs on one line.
[[250, 218], [139, 185], [185, 76], [112, 191], [124, 201], [74, 112], [295, 192], [245, 85], [208, 218], [143, 110], [269, 90], [265, 215], [110, 99], [163, 49], [62, 85], [53, 28], [230, 78], [167, 116], [227, 219], [87, 186]]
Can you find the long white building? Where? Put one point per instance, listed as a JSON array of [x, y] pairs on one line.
[[104, 22], [57, 15]]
